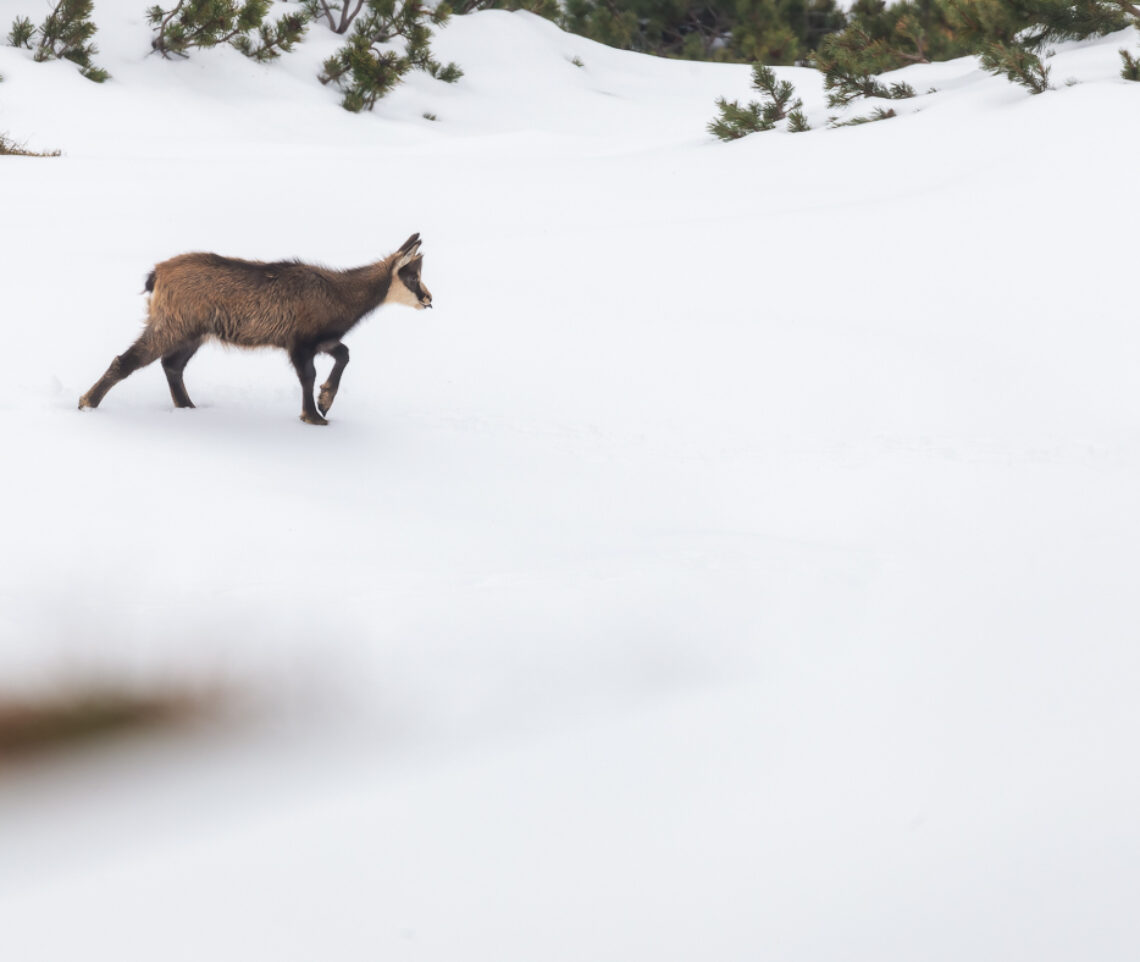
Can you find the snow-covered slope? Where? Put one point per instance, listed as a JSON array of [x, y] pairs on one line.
[[737, 563]]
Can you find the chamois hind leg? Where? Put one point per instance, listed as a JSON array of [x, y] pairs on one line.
[[139, 354], [332, 385], [174, 363], [302, 358]]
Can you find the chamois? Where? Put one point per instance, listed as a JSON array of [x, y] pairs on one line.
[[301, 308]]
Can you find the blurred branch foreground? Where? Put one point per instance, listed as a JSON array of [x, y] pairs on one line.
[[86, 715]]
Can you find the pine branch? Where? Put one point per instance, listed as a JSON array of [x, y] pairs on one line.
[[1017, 63], [909, 29], [21, 33], [797, 122], [879, 113], [735, 121], [366, 69], [1131, 66], [65, 34], [208, 23], [274, 39]]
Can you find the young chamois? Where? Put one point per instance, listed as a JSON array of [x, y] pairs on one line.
[[298, 307]]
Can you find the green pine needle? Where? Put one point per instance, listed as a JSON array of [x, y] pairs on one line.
[[736, 121], [797, 122], [21, 33], [1131, 66]]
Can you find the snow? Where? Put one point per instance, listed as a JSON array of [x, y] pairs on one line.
[[737, 562]]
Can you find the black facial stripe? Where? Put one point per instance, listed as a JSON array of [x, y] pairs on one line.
[[412, 283]]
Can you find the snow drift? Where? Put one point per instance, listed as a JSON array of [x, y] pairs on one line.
[[737, 562]]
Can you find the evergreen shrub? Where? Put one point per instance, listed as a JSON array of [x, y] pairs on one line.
[[369, 66], [202, 24], [65, 34]]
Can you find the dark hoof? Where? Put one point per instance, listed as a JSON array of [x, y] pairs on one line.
[[313, 419], [85, 402], [324, 402]]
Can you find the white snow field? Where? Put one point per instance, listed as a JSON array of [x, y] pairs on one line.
[[739, 563]]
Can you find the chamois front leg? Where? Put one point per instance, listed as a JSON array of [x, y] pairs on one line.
[[328, 390], [174, 363], [302, 358]]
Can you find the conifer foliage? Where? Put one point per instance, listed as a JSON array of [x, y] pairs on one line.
[[1007, 36], [1011, 36], [65, 34], [1131, 66], [850, 61], [879, 113], [761, 31], [372, 62], [1017, 62], [735, 121], [22, 32], [878, 38], [240, 23]]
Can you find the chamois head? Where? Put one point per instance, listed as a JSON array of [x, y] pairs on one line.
[[407, 286]]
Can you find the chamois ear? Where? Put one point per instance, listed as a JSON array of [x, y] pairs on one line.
[[407, 250], [413, 266]]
